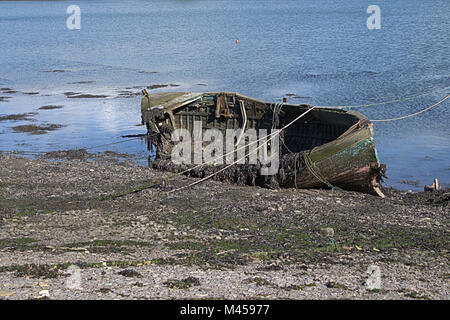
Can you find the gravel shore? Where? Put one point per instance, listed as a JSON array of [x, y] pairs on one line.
[[63, 237]]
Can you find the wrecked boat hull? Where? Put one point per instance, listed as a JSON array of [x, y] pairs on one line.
[[327, 148]]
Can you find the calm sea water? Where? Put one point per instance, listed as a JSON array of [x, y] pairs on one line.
[[318, 49]]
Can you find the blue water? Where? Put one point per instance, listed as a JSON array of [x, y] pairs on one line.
[[319, 49]]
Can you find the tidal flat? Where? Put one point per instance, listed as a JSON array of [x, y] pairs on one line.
[[214, 240]]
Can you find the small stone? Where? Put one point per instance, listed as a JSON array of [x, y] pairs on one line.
[[44, 293], [328, 232]]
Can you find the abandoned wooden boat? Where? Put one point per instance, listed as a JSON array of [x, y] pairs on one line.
[[325, 148]]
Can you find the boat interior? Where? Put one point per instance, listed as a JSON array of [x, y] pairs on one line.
[[234, 111]]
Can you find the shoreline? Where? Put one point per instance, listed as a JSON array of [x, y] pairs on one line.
[[236, 242], [42, 114]]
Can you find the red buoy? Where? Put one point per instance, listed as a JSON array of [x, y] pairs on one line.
[[237, 41]]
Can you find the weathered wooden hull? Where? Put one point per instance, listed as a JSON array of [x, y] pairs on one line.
[[330, 148], [350, 163]]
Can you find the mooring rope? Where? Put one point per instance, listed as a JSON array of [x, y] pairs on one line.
[[413, 114], [295, 170], [399, 99], [111, 144], [275, 111], [311, 167]]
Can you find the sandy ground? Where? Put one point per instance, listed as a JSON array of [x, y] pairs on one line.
[[62, 237]]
